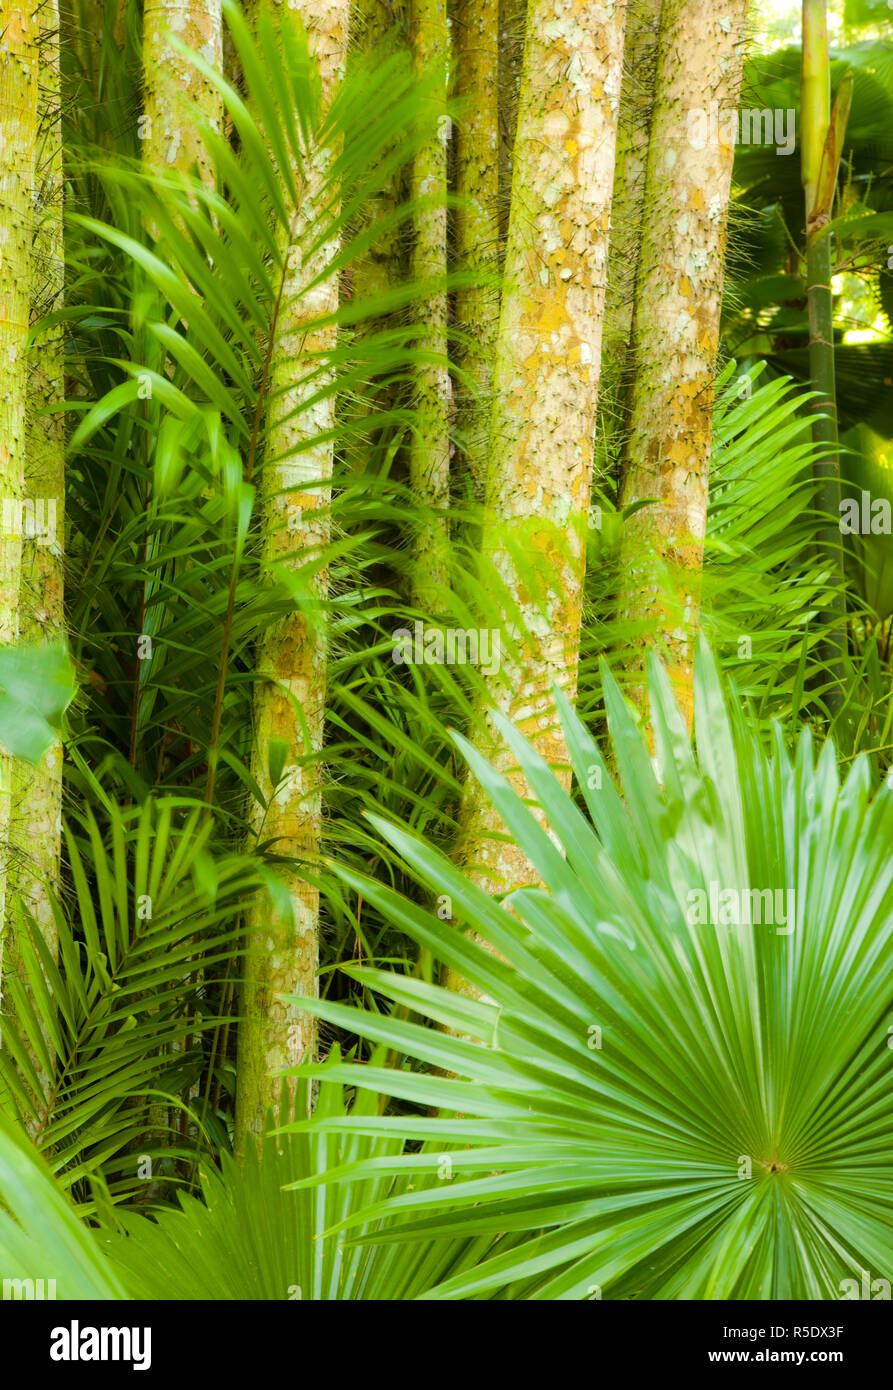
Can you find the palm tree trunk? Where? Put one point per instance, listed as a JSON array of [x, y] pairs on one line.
[[178, 99], [545, 385], [676, 327], [174, 88], [429, 459], [289, 701], [381, 24], [627, 213], [38, 791], [19, 25], [477, 224], [821, 140], [512, 30]]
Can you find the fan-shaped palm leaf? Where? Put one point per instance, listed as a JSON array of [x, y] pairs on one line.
[[666, 1108]]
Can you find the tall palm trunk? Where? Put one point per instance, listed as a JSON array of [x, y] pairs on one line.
[[177, 100], [545, 384], [289, 702], [627, 212], [821, 143], [19, 25], [381, 25], [175, 90], [676, 326], [429, 460], [38, 791], [512, 30], [477, 224]]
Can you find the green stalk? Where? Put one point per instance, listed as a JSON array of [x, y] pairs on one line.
[[821, 143]]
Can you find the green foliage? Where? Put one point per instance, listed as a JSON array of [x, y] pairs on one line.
[[763, 584], [530, 1162], [36, 687], [657, 1107], [253, 1237], [39, 1231], [765, 308], [92, 1044], [248, 1236]]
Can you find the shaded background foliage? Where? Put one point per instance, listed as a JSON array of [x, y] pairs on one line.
[[129, 1052]]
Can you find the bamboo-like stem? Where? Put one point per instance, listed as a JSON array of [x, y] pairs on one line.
[[676, 333], [820, 146], [381, 26], [477, 224], [545, 388], [37, 791], [429, 461], [627, 219], [19, 61], [290, 696], [178, 97]]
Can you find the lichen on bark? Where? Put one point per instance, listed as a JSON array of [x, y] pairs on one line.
[[545, 387], [429, 454], [676, 331], [178, 96], [19, 56], [37, 791], [290, 694], [477, 219]]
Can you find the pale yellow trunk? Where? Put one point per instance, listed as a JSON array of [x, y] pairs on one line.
[[38, 791], [177, 96], [19, 25], [512, 28], [477, 225], [676, 327], [546, 384], [381, 26], [178, 102], [289, 702], [627, 213], [429, 462]]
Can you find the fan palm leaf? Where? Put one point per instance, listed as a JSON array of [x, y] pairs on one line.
[[665, 1107]]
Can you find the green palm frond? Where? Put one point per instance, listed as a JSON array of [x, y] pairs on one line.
[[253, 1237], [173, 427], [40, 1236], [662, 1107], [249, 1236], [122, 1020], [763, 586]]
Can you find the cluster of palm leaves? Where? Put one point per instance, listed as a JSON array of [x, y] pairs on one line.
[[634, 1106], [639, 1104]]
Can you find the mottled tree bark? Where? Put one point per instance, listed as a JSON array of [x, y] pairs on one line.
[[289, 702], [176, 93], [546, 385], [429, 457], [821, 143], [477, 221], [178, 102], [676, 328], [627, 213], [380, 25], [512, 29], [19, 26], [380, 28], [37, 829]]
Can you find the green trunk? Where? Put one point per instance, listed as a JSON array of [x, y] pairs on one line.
[[37, 791], [429, 463], [477, 227], [290, 694], [19, 25], [820, 142]]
